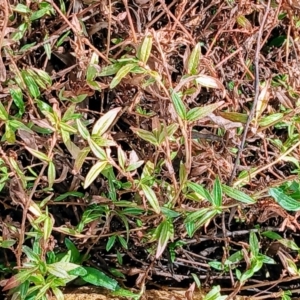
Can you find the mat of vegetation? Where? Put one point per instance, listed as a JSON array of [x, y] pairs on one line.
[[150, 144]]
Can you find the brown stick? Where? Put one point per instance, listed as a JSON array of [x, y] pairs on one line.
[[256, 86]]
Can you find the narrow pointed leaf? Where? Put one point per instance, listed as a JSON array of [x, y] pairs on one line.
[[199, 189], [151, 197], [194, 60], [121, 74], [284, 200], [51, 174], [165, 232], [217, 193], [145, 135], [98, 278], [105, 121], [94, 172], [198, 113], [179, 106], [97, 150], [237, 195], [38, 154], [145, 49]]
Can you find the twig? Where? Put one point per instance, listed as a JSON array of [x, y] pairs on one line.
[[85, 40], [169, 13], [280, 158], [125, 2], [161, 14], [109, 28], [2, 34], [256, 86]]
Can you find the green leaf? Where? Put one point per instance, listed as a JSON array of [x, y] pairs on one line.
[[82, 129], [284, 200], [179, 105], [270, 120], [7, 243], [237, 195], [3, 113], [110, 242], [103, 124], [39, 14], [234, 116], [57, 293], [289, 244], [111, 69], [33, 88], [194, 60], [94, 172], [217, 193], [254, 245], [38, 154], [44, 76], [182, 173], [47, 47], [79, 271], [62, 39], [214, 294], [17, 96], [145, 49], [165, 231], [98, 278], [121, 158], [272, 235], [121, 74], [30, 254], [197, 219], [151, 197], [60, 269], [198, 113], [199, 189], [22, 9], [51, 174], [74, 194], [123, 242], [134, 166], [10, 134], [145, 135], [292, 267], [73, 149], [256, 266], [80, 159], [98, 151], [48, 227], [208, 81], [75, 254]]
